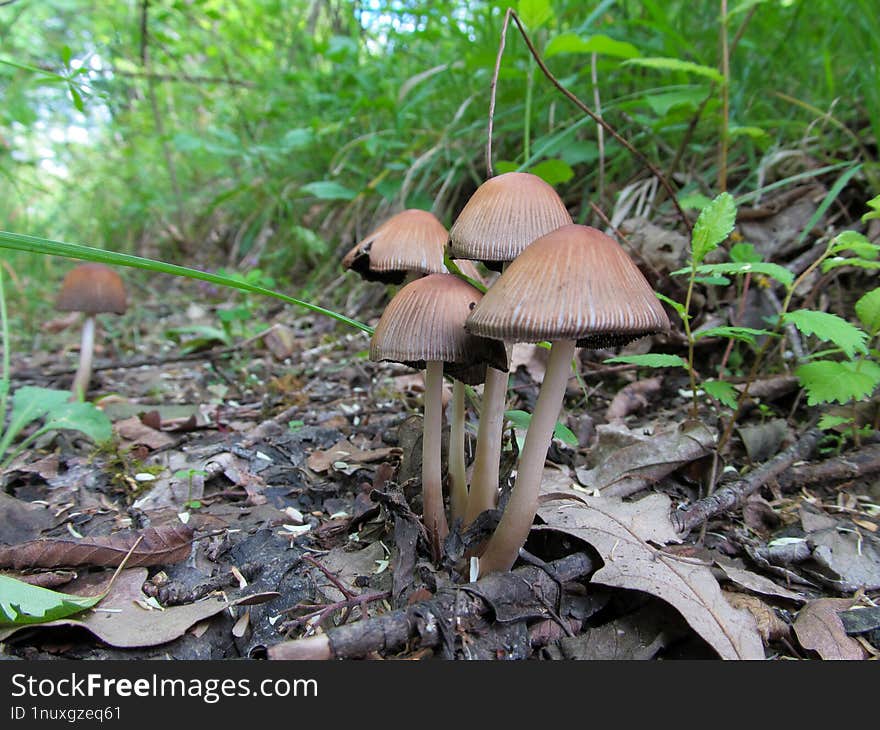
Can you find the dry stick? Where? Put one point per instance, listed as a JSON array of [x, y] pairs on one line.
[[578, 103], [845, 467], [430, 622], [732, 495]]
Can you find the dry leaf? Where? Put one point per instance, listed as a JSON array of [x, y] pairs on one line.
[[160, 546], [757, 583], [121, 621], [770, 626], [632, 398], [347, 458], [622, 471], [135, 431], [624, 534], [819, 628]]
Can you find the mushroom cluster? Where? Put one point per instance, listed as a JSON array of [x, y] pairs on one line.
[[571, 285]]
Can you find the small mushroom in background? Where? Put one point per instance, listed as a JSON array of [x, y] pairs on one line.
[[91, 289], [503, 216], [423, 327], [575, 287]]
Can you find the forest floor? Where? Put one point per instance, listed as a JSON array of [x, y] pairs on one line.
[[275, 481]]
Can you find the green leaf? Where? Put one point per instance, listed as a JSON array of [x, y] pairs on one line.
[[713, 225], [521, 420], [553, 172], [874, 204], [677, 306], [858, 263], [722, 391], [534, 13], [827, 421], [827, 381], [328, 190], [573, 43], [694, 201], [774, 271], [22, 603], [744, 253], [29, 404], [830, 328], [651, 360], [676, 64], [662, 104], [868, 311], [854, 242], [712, 280], [82, 417], [743, 334]]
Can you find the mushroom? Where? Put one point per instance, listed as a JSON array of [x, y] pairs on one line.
[[411, 241], [91, 289], [423, 327], [502, 217], [577, 288]]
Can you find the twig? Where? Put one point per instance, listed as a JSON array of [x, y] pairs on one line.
[[430, 623], [318, 616], [733, 494], [511, 14]]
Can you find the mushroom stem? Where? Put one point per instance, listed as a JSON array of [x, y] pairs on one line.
[[458, 491], [433, 512], [86, 351], [512, 531], [484, 483]]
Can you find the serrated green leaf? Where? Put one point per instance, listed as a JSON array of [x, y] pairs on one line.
[[712, 280], [874, 204], [676, 64], [856, 243], [694, 201], [827, 381], [677, 306], [328, 190], [713, 225], [774, 271], [534, 13], [722, 391], [651, 360], [573, 43], [868, 311], [743, 334], [830, 328], [22, 603], [553, 172], [827, 421]]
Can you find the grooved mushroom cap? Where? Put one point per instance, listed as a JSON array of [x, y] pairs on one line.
[[575, 283], [93, 289], [409, 241], [425, 322], [503, 216]]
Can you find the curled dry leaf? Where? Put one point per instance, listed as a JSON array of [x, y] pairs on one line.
[[625, 470], [770, 626], [820, 629], [632, 398], [625, 535], [160, 546], [347, 458]]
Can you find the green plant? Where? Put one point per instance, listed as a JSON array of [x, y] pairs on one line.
[[188, 475]]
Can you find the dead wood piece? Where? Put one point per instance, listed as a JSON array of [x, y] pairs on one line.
[[861, 463], [436, 621], [734, 494]]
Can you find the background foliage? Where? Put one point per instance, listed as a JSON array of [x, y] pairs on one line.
[[271, 133]]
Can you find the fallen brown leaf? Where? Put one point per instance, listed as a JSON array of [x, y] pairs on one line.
[[625, 535], [820, 629], [160, 546]]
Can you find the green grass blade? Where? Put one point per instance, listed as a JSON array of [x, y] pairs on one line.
[[32, 244]]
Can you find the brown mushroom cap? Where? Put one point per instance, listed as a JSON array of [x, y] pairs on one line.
[[93, 289], [409, 241], [575, 283], [503, 216], [425, 322]]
